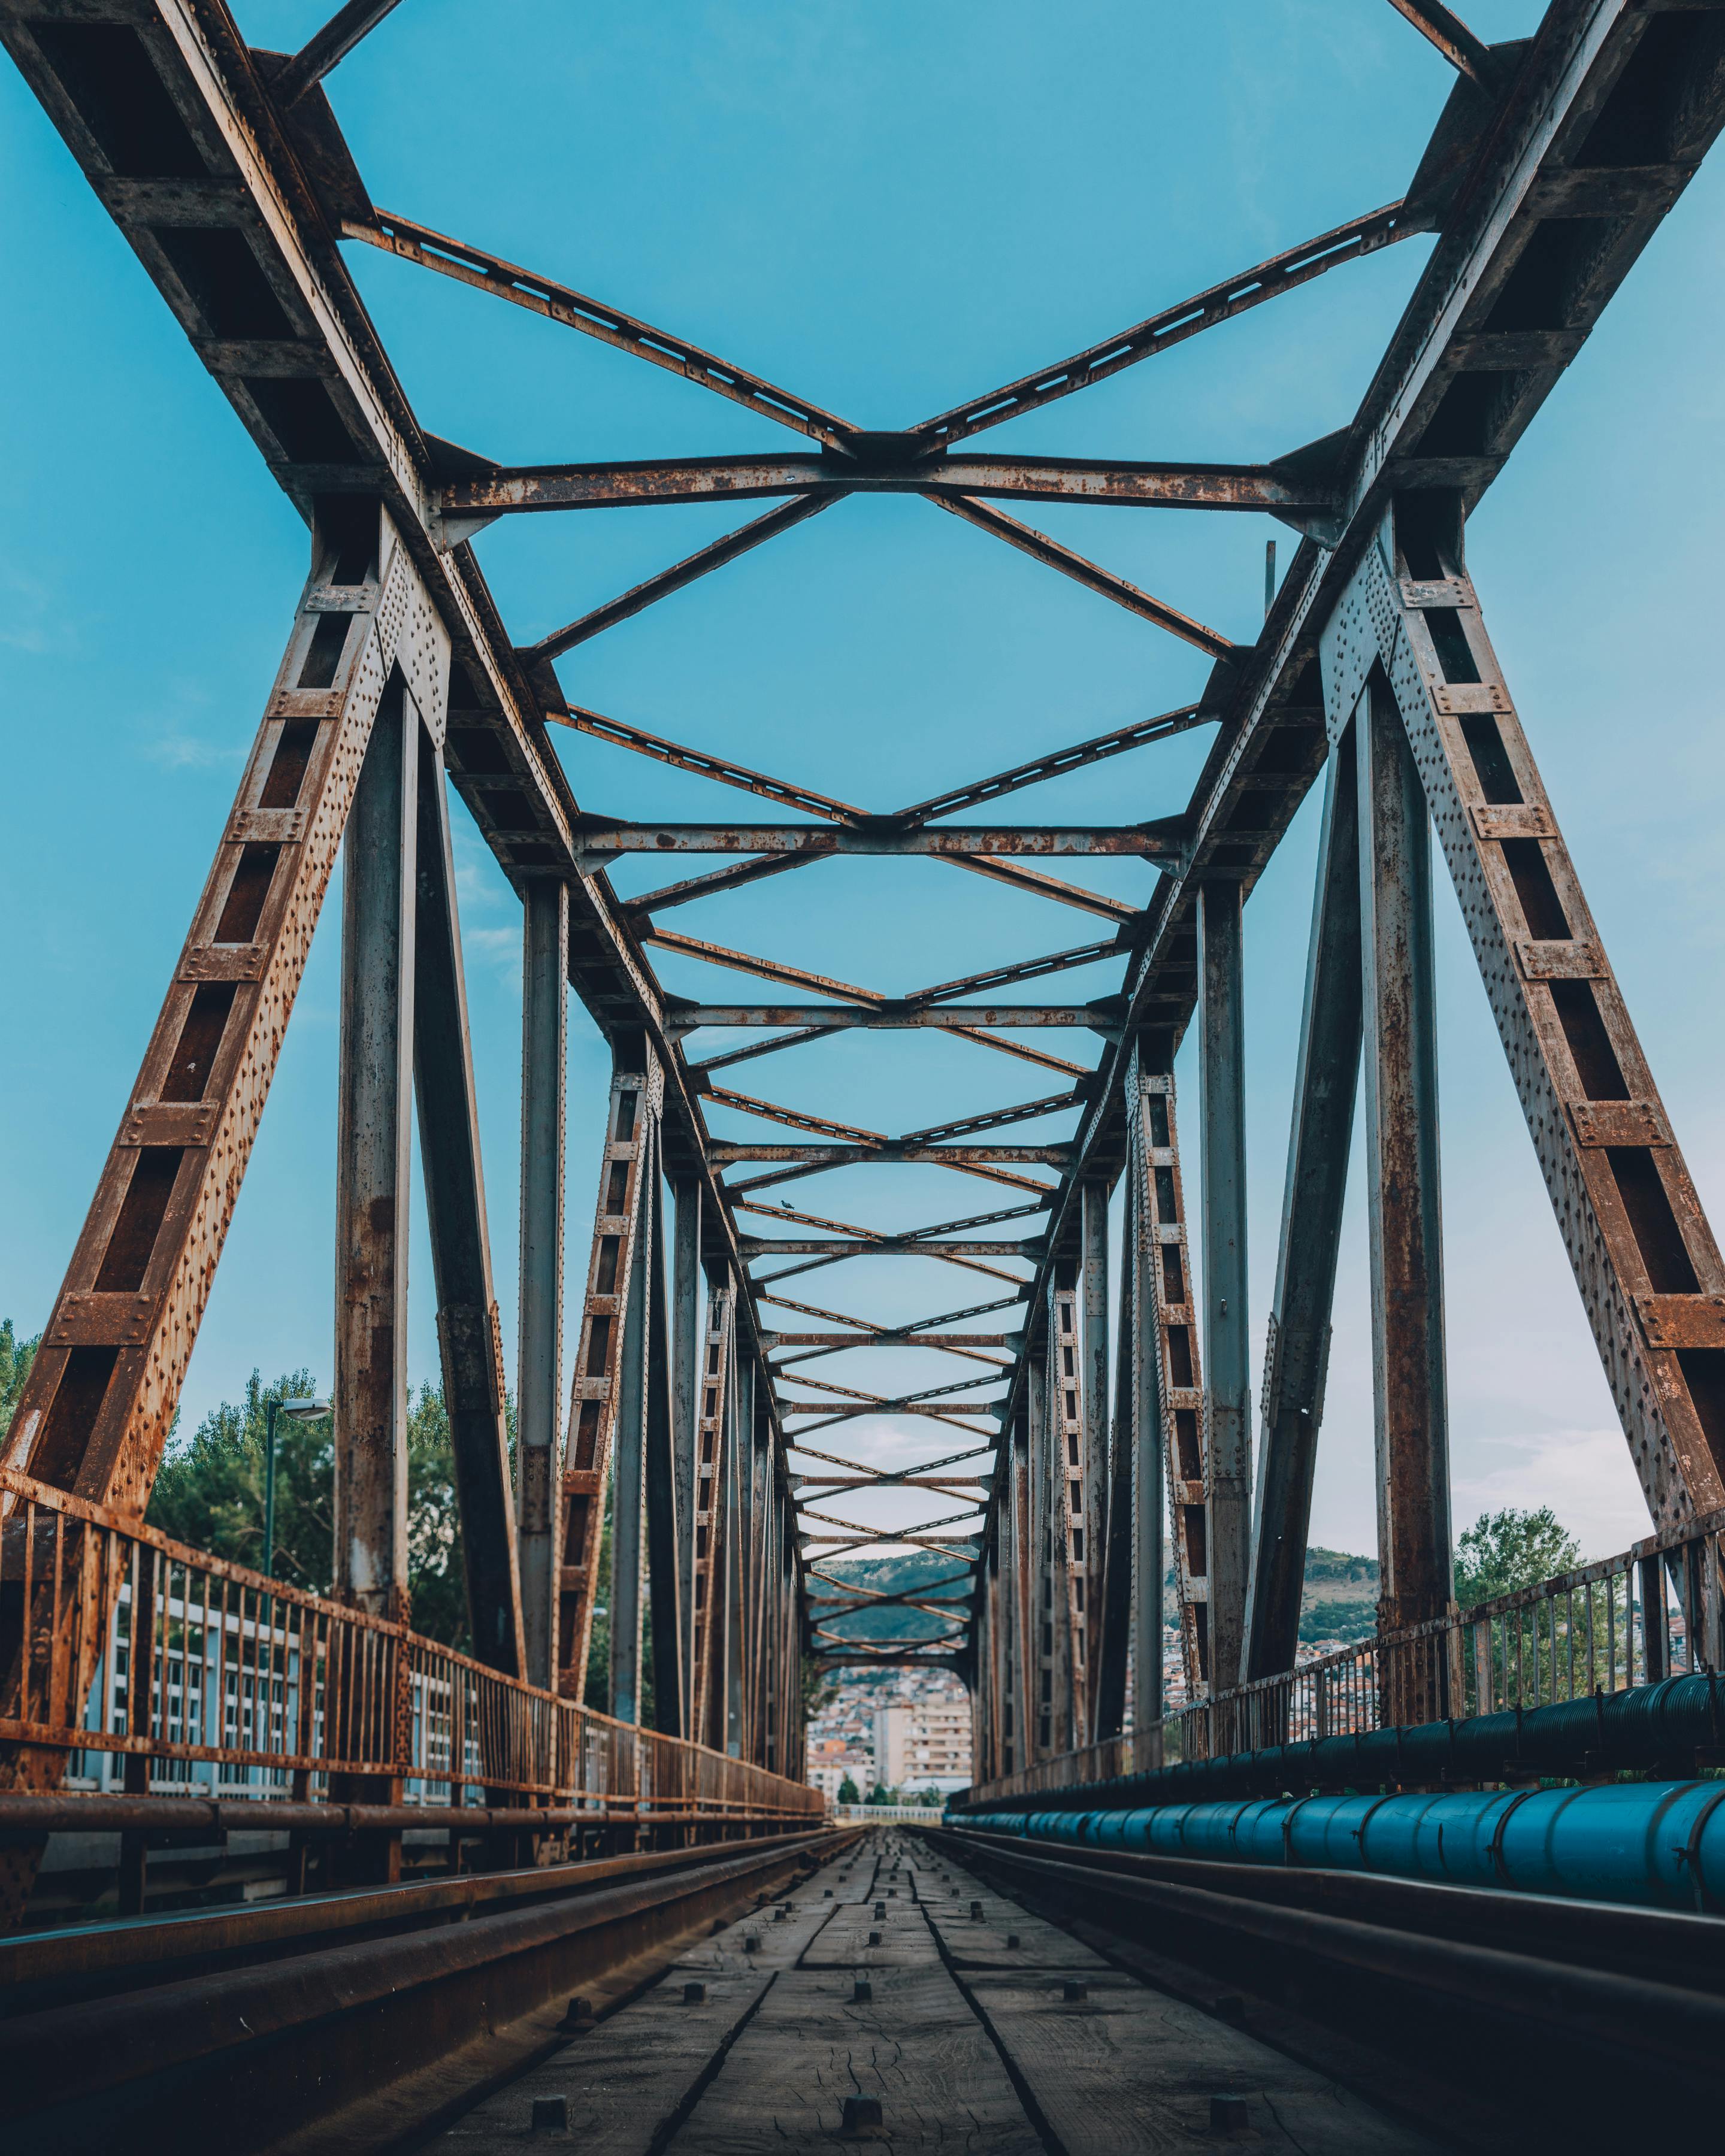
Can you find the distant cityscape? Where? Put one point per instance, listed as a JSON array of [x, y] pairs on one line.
[[907, 1731]]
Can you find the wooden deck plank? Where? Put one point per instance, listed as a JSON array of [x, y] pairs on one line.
[[915, 2045], [1129, 2071]]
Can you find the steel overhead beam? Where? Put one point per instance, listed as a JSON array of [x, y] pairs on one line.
[[1220, 303], [690, 1018], [560, 303], [724, 1151], [1470, 55], [1034, 884], [768, 969], [902, 1337], [1057, 763], [894, 1246], [1090, 574], [907, 467], [685, 893], [602, 840], [1643, 91], [328, 47], [705, 766], [639, 597]]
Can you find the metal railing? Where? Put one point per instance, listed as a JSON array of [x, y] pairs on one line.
[[117, 1641], [1655, 1610]]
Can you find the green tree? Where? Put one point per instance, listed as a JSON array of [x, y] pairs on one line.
[[879, 1795], [16, 1357], [848, 1792], [1503, 1551], [209, 1492]]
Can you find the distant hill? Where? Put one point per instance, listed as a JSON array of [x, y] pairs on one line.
[[1340, 1601], [892, 1575]]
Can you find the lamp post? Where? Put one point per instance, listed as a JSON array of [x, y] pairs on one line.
[[296, 1410]]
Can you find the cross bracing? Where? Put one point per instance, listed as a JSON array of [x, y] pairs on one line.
[[692, 1402]]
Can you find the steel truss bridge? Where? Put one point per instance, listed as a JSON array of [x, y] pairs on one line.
[[1103, 1431]]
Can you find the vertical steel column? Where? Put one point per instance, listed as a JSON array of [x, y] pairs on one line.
[[1179, 1365], [635, 1098], [1068, 1509], [373, 1142], [1298, 1350], [688, 1329], [736, 1448], [706, 1683], [1091, 1519], [665, 1609], [1222, 1071], [1147, 1438], [471, 1344], [629, 1453], [539, 1382], [1115, 1622], [1407, 1254]]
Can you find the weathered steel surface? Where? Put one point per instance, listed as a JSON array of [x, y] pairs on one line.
[[1297, 1351], [545, 974]]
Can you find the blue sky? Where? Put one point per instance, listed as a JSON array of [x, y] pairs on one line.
[[887, 208]]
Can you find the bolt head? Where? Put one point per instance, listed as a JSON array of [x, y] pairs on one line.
[[1228, 2114], [693, 1994], [551, 2114], [1075, 1988], [1012, 1939], [751, 1943], [873, 1938], [862, 1988], [860, 2111]]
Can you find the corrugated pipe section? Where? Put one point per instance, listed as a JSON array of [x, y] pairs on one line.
[[1658, 1845], [1657, 1728]]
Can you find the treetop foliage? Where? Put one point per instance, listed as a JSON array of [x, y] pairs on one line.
[[1503, 1551]]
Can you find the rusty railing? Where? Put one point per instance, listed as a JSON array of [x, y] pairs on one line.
[[1653, 1611], [116, 1641]]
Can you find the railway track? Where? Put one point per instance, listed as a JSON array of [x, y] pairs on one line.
[[346, 2020], [926, 1988]]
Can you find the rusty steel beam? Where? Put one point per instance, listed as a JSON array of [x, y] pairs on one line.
[[1297, 1351], [328, 47], [768, 969], [677, 577], [1025, 1111], [1220, 303], [686, 1017], [1094, 577], [1467, 53], [724, 1151], [517, 490], [601, 839], [637, 910], [559, 303], [1034, 884], [703, 765], [1057, 763]]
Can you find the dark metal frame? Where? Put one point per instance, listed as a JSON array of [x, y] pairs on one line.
[[1553, 163]]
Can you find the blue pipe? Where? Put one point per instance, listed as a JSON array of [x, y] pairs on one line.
[[1653, 1728], [1658, 1845]]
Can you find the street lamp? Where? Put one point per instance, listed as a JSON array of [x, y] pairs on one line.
[[295, 1410]]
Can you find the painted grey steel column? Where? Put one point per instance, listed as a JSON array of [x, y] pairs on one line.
[[469, 1343], [629, 1462], [1114, 1646], [1227, 1365], [1148, 1444], [664, 1516], [736, 1445], [1297, 1359], [1093, 1319], [1407, 1261], [688, 1313], [373, 1138], [539, 1381]]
